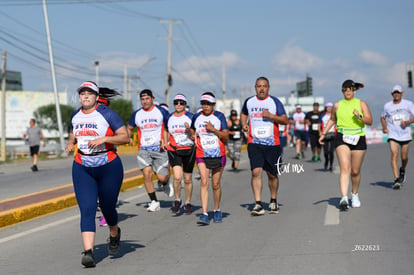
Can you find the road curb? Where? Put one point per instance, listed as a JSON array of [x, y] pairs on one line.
[[30, 211]]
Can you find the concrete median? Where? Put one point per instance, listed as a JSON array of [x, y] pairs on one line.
[[30, 206]]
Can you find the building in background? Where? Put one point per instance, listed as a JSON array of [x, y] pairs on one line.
[[20, 106]]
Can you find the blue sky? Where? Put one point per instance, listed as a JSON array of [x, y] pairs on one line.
[[367, 41]]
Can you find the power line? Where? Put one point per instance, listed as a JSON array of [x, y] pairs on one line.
[[59, 2]]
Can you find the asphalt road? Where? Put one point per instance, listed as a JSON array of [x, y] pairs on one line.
[[309, 235]]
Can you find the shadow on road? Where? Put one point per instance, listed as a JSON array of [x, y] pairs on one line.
[[331, 201], [383, 184], [127, 246]]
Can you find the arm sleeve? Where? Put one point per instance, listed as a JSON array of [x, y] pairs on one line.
[[132, 120]]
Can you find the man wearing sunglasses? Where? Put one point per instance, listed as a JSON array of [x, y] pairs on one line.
[[181, 153]]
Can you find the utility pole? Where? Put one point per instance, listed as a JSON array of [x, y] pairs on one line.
[[169, 77], [3, 106], [52, 69], [125, 93], [97, 72]]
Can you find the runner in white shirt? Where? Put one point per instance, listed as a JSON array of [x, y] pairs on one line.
[[181, 153], [151, 123], [396, 118], [210, 132], [261, 116]]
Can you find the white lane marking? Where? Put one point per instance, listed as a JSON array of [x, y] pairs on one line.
[[37, 229], [331, 215], [56, 223], [135, 197]]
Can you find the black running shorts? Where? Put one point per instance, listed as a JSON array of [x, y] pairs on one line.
[[361, 145], [264, 156], [185, 158]]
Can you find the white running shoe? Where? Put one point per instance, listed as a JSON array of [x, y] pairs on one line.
[[153, 206], [355, 201]]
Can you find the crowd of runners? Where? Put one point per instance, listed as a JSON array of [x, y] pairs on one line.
[[171, 145]]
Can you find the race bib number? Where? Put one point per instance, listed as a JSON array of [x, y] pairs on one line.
[[262, 132], [83, 145], [208, 142], [236, 135], [351, 139], [315, 127], [148, 140], [397, 118], [181, 139]]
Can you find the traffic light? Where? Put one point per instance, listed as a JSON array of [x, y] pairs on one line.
[[410, 79]]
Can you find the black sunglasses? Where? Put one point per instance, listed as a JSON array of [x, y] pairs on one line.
[[344, 88], [179, 102]]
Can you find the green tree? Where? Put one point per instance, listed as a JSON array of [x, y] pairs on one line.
[[123, 108], [46, 116]]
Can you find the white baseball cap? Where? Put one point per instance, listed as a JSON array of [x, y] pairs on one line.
[[397, 88], [89, 85], [180, 97]]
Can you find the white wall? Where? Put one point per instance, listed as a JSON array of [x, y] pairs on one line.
[[20, 106]]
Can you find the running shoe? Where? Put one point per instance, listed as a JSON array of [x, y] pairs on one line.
[[297, 156], [87, 258], [302, 155], [318, 159], [160, 186], [168, 189], [176, 207], [397, 184], [34, 168], [114, 243], [355, 201], [102, 222], [153, 206], [257, 210], [402, 176], [273, 208], [204, 220], [343, 204], [217, 218], [187, 208]]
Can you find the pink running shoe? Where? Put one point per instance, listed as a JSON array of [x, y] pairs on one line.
[[102, 222]]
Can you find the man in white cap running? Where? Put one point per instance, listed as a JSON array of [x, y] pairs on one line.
[[396, 118]]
